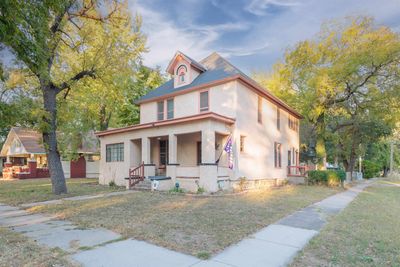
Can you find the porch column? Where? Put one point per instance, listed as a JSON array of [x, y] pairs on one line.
[[172, 149], [208, 146], [208, 167], [172, 157], [146, 150], [149, 169]]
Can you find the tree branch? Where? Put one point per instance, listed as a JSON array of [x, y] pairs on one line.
[[77, 77]]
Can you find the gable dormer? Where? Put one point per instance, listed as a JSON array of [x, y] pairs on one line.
[[184, 69]]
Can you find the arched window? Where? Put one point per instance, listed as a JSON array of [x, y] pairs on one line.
[[181, 73]]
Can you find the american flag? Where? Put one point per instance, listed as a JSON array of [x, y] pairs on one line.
[[228, 149]]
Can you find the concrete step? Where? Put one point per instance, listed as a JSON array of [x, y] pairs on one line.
[[143, 185]]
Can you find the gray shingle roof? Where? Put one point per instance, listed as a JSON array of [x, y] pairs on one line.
[[217, 68]]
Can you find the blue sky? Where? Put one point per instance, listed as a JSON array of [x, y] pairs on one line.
[[252, 34]]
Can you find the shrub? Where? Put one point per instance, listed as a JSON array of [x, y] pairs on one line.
[[176, 190], [370, 169], [329, 177], [112, 184], [200, 190]]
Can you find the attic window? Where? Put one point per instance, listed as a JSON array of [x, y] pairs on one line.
[[181, 72]]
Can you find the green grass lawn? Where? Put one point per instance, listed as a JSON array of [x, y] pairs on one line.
[[200, 226], [366, 233], [16, 192], [17, 250]]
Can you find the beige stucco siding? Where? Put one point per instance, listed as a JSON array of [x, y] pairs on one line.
[[148, 112], [257, 161], [117, 171], [222, 100]]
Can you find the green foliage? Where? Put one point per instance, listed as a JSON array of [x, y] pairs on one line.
[[329, 177], [112, 184], [370, 169], [146, 79], [176, 190], [200, 190], [346, 83], [203, 255]]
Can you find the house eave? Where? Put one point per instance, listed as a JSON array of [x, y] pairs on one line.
[[251, 84], [193, 118]]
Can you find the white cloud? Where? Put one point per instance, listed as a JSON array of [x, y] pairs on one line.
[[241, 51], [260, 7], [165, 37]]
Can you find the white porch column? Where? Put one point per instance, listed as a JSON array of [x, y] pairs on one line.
[[172, 157], [146, 150], [208, 146], [208, 167], [172, 149], [149, 169]]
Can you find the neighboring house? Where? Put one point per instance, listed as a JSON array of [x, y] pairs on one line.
[[27, 158], [185, 125]]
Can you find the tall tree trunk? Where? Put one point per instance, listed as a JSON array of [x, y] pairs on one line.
[[352, 157], [104, 117], [50, 140], [320, 144]]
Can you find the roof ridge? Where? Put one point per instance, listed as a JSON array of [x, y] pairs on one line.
[[225, 60]]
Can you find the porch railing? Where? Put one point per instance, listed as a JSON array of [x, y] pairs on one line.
[[300, 171], [136, 175]]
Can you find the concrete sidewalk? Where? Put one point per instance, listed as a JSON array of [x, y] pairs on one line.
[[275, 245], [76, 198]]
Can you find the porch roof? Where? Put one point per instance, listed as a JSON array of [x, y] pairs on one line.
[[202, 116]]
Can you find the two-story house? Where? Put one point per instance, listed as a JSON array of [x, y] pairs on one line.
[[185, 125]]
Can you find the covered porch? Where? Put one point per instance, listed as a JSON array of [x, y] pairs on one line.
[[189, 158]]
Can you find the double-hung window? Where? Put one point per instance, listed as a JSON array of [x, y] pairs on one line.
[[160, 110], [204, 105], [170, 108], [259, 110], [278, 118], [115, 152], [278, 155], [165, 109]]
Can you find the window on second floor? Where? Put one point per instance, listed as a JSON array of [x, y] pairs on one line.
[[278, 118], [293, 123], [259, 110], [160, 110], [204, 105], [170, 108]]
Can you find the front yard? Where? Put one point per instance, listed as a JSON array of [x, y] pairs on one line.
[[15, 192], [200, 226], [366, 233], [17, 250]]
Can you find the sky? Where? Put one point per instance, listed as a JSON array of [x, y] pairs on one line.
[[251, 34]]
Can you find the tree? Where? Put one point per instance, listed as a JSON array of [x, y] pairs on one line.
[[18, 103], [338, 80], [38, 34], [94, 104], [145, 80]]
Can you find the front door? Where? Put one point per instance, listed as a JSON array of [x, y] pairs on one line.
[[78, 168], [163, 156], [198, 152]]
